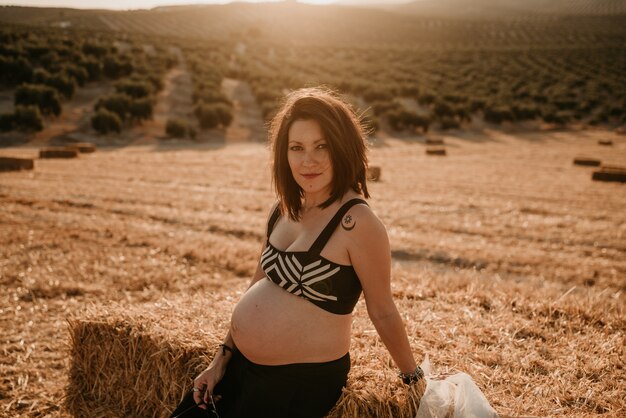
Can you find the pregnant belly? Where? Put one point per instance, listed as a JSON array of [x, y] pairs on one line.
[[271, 326]]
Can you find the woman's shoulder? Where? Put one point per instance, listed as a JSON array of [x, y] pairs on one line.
[[365, 234], [362, 219]]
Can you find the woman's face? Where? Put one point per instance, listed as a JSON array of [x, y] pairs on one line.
[[309, 157]]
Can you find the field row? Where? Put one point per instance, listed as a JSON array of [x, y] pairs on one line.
[[404, 87], [336, 25], [518, 195]]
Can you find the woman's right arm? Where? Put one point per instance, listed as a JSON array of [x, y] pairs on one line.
[[214, 373]]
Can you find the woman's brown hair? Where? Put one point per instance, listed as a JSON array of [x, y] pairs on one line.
[[343, 133]]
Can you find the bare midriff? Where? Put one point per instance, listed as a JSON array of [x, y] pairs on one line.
[[271, 326]]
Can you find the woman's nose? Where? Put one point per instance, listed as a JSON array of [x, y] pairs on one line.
[[309, 157]]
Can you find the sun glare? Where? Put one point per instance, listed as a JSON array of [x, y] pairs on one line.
[[139, 4]]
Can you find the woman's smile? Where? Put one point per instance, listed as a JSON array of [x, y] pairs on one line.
[[310, 176]]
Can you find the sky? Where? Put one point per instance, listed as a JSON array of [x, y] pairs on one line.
[[147, 4]]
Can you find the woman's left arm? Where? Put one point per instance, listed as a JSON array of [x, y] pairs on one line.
[[371, 258]]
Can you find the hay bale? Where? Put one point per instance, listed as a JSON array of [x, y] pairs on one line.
[[610, 173], [15, 164], [84, 147], [140, 360], [132, 364], [592, 162], [434, 141], [436, 151], [605, 142], [58, 152], [373, 173]]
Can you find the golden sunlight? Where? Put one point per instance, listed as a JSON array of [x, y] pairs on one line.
[[143, 149], [141, 4]]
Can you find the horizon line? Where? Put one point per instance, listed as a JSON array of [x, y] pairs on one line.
[[156, 4]]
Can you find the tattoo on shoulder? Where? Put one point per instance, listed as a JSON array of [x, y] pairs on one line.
[[348, 223]]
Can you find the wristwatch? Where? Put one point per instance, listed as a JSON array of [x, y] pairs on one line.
[[410, 378]]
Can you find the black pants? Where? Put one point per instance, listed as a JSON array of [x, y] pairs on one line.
[[301, 390]]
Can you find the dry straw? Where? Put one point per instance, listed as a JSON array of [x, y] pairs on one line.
[[140, 361], [58, 152], [610, 173], [435, 151], [373, 173], [586, 161], [15, 164]]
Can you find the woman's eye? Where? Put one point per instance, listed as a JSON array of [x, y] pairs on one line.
[[322, 146], [295, 148]]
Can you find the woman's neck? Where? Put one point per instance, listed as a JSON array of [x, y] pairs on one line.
[[313, 200]]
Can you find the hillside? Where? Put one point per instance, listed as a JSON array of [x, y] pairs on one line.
[[421, 23], [407, 71]]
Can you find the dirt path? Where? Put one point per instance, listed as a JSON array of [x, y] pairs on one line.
[[174, 101], [247, 124], [75, 120], [74, 123]]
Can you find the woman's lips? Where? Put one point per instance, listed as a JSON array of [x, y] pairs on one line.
[[310, 176]]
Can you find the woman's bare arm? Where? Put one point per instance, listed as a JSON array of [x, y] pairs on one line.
[[371, 257]]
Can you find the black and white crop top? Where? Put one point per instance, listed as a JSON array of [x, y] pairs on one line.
[[333, 287]]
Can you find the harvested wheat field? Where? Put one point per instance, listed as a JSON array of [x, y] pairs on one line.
[[119, 270]]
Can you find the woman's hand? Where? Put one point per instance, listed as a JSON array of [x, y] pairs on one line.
[[205, 382]]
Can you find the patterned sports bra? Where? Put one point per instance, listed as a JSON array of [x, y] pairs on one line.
[[333, 287]]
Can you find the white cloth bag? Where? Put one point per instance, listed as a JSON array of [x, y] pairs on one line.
[[455, 396]]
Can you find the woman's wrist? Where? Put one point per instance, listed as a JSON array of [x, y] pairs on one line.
[[407, 365], [227, 349], [409, 378], [223, 354]]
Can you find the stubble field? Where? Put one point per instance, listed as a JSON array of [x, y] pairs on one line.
[[509, 262]]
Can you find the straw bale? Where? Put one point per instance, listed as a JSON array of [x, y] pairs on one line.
[[15, 164], [127, 362], [592, 162], [610, 173], [140, 361], [434, 141], [373, 173], [606, 142], [435, 151], [58, 152]]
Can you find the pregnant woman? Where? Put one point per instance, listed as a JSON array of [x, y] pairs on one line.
[[287, 351]]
